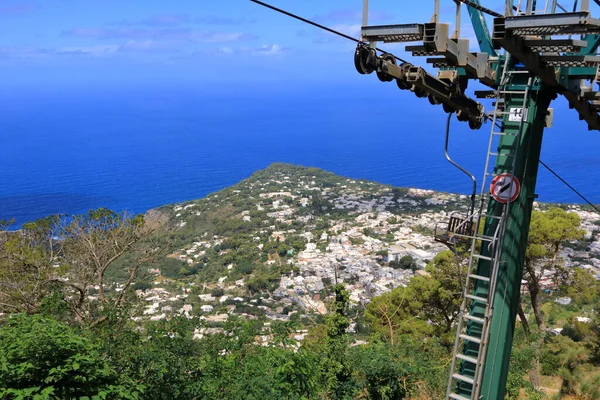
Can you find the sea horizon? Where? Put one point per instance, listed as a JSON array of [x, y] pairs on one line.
[[138, 147]]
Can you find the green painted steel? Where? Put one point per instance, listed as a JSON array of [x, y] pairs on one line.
[[507, 294], [593, 41], [481, 30]]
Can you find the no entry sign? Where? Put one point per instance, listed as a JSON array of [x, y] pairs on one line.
[[505, 188]]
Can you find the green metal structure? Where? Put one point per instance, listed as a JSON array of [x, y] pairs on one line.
[[533, 54]]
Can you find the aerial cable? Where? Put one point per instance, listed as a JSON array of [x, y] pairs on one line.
[[482, 9], [569, 186], [562, 180], [322, 27]]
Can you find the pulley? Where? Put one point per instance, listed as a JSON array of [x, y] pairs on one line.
[[365, 59], [382, 68]]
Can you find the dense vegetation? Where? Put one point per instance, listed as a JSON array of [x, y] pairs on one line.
[[70, 325]]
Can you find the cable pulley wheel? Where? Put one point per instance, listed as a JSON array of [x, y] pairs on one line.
[[447, 108], [365, 59], [474, 125], [433, 100], [402, 84], [382, 70], [420, 93], [384, 77]]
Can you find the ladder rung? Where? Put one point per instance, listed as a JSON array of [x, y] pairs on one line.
[[479, 277], [470, 338], [501, 155], [477, 298], [491, 216], [504, 134], [474, 319], [472, 360], [455, 396], [463, 378], [482, 257]]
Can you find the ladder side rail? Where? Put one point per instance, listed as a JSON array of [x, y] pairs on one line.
[[463, 306], [483, 204], [472, 258], [496, 259]]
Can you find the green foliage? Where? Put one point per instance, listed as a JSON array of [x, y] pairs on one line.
[[335, 366], [405, 262], [383, 372], [435, 298], [582, 287], [553, 227], [399, 192], [41, 358], [142, 285], [570, 355], [522, 359], [408, 331]]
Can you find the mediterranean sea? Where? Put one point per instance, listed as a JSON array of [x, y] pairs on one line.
[[67, 150]]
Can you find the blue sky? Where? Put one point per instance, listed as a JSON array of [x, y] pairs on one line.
[[83, 41]]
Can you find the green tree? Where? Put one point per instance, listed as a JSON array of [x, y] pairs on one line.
[[42, 358], [582, 287], [74, 254], [428, 306], [570, 356], [397, 312], [547, 232], [26, 264], [336, 368]]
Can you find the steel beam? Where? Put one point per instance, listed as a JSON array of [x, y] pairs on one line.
[[570, 60], [393, 33], [455, 53], [555, 45], [533, 62], [552, 24]]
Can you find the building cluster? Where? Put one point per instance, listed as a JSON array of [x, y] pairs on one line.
[[357, 233]]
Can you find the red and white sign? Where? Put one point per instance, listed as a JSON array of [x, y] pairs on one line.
[[505, 188]]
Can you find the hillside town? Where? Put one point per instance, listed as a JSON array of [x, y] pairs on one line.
[[368, 236]]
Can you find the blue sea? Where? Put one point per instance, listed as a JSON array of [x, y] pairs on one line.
[[70, 149]]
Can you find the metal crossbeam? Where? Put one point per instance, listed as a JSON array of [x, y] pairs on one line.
[[552, 24], [570, 60], [555, 45], [393, 33], [534, 63]]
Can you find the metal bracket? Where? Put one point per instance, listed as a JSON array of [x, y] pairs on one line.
[[549, 118]]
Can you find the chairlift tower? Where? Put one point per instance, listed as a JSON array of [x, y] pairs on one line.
[[536, 51]]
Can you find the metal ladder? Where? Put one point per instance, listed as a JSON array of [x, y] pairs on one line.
[[494, 244]]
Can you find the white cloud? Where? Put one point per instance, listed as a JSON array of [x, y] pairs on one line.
[[94, 51], [216, 37], [269, 50]]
